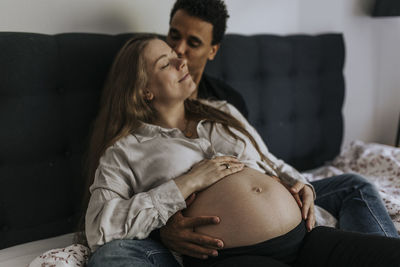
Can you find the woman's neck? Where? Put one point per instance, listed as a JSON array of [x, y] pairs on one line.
[[171, 117]]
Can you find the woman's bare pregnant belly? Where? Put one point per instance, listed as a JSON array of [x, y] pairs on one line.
[[251, 205]]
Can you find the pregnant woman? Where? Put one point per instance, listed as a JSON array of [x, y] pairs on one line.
[[152, 147]]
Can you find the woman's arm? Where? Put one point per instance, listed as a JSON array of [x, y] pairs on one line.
[[114, 213], [117, 211]]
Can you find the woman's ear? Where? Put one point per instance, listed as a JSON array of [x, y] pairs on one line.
[[148, 95]]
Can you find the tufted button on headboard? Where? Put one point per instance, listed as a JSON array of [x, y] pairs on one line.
[[49, 92]]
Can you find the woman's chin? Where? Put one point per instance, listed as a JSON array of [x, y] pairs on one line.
[[191, 89]]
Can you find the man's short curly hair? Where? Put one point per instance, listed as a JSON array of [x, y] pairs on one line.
[[212, 11]]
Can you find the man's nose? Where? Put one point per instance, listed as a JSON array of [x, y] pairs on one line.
[[180, 48]]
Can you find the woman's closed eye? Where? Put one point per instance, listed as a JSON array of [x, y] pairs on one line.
[[165, 65]]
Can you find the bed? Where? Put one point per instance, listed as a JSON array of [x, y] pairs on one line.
[[49, 91]]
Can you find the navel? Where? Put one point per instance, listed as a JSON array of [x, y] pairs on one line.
[[257, 189]]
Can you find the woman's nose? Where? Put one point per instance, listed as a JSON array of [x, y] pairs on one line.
[[181, 62]]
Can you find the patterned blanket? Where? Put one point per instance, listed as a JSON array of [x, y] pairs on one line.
[[380, 164]]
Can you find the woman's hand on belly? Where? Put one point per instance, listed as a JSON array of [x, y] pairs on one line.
[[206, 173], [306, 203], [304, 197]]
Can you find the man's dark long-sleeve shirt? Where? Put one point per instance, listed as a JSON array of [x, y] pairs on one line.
[[212, 88]]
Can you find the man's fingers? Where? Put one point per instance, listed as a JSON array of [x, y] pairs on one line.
[[201, 220], [204, 241], [199, 252]]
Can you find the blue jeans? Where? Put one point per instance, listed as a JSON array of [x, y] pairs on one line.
[[355, 203], [132, 252], [353, 200]]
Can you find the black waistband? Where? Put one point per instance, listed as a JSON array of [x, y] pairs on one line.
[[278, 245], [283, 248]]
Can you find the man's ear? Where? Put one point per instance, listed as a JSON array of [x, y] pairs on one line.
[[213, 51]]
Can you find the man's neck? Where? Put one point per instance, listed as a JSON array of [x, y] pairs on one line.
[[196, 78]]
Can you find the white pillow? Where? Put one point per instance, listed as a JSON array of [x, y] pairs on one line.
[[72, 256]]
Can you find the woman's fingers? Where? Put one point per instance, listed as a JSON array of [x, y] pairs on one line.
[[225, 158], [310, 223], [230, 167], [307, 210], [298, 200], [190, 199], [210, 171]]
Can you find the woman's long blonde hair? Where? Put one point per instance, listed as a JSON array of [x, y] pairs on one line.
[[123, 107]]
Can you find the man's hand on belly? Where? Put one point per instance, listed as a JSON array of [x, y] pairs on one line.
[[179, 236]]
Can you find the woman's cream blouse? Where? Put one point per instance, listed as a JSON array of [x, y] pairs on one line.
[[134, 192]]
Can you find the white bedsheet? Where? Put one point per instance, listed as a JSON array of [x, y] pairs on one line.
[[22, 255]]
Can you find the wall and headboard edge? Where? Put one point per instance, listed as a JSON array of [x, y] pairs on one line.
[[49, 92]]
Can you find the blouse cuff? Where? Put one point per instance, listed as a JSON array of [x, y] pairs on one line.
[[167, 200]]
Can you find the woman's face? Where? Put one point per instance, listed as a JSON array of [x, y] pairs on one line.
[[169, 81]]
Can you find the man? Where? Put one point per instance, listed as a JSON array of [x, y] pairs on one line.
[[197, 40], [196, 30]]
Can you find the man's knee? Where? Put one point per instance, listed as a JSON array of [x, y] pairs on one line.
[[356, 180], [101, 256]]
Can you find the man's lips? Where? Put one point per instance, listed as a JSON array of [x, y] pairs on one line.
[[184, 77]]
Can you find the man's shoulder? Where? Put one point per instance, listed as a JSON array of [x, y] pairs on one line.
[[216, 82], [214, 88], [222, 105]]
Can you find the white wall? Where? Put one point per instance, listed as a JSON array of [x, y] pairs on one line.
[[372, 58]]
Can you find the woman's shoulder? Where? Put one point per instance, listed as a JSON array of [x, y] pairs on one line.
[[120, 148]]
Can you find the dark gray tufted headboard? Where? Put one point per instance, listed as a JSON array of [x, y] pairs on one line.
[[294, 90], [49, 90]]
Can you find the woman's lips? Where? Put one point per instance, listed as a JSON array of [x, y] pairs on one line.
[[184, 77]]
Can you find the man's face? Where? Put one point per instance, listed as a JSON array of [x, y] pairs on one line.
[[191, 39]]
